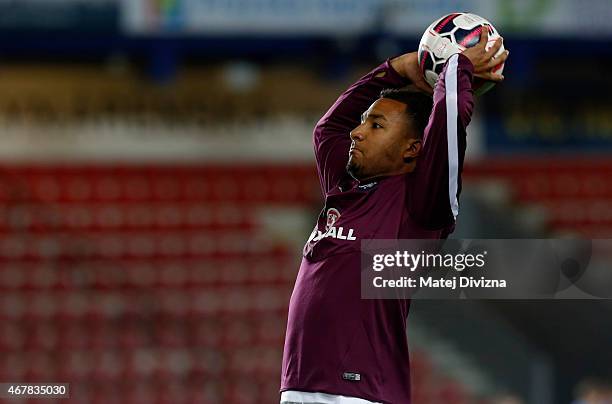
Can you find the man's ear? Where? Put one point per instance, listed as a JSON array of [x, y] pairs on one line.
[[412, 150]]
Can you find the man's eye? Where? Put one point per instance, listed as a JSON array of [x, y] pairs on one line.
[[376, 126]]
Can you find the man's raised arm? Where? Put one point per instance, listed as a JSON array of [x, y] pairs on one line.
[[436, 183]]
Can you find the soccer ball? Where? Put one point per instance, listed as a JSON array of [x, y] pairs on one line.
[[451, 34]]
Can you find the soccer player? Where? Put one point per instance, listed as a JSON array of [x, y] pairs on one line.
[[389, 165]]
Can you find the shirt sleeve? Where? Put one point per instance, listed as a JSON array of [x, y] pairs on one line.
[[435, 185], [331, 134]]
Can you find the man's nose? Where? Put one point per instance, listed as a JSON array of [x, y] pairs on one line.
[[357, 134]]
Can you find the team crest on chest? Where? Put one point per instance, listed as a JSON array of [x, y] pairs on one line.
[[332, 217]]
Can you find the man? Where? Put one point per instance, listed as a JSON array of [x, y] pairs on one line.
[[391, 172]]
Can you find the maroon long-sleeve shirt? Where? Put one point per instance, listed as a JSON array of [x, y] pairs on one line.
[[336, 342]]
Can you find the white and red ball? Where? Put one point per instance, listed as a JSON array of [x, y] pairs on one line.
[[451, 34]]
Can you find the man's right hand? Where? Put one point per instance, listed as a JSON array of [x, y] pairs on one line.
[[484, 60], [407, 65]]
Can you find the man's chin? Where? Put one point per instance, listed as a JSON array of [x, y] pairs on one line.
[[354, 170]]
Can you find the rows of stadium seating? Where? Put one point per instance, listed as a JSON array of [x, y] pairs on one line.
[[268, 184], [575, 195], [146, 284]]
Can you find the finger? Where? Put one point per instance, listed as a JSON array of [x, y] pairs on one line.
[[423, 85], [484, 36], [497, 61], [495, 48], [496, 77]]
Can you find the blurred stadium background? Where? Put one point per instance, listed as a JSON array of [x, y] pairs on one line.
[[157, 184]]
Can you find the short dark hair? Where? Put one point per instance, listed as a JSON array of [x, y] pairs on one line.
[[418, 105]]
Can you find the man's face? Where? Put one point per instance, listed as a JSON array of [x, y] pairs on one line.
[[381, 142]]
